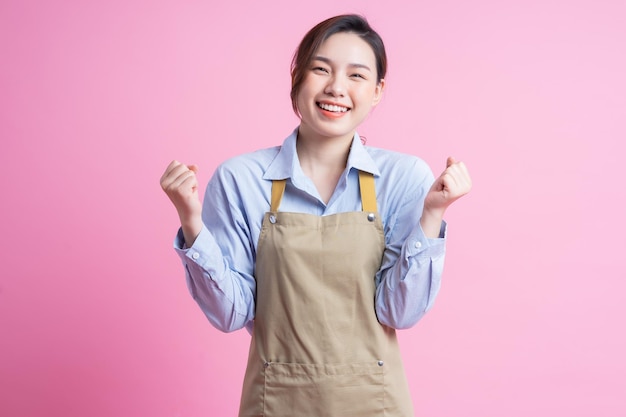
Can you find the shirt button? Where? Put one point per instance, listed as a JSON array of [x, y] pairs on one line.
[[272, 219], [195, 255], [418, 244], [371, 217]]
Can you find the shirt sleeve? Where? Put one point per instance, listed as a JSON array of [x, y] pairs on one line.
[[219, 266], [410, 275]]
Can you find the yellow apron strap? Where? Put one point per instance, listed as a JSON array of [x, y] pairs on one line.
[[278, 189], [366, 183], [368, 192]]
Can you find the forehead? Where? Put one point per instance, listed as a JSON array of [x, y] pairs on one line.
[[347, 47]]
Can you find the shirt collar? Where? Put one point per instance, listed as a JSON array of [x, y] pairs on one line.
[[287, 165]]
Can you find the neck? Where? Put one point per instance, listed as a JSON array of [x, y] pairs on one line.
[[315, 151], [323, 160]]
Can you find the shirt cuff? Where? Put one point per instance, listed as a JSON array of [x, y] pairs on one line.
[[204, 253], [420, 245]]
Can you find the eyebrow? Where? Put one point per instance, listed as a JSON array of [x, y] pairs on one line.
[[328, 61]]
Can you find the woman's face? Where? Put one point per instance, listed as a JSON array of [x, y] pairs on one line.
[[339, 89]]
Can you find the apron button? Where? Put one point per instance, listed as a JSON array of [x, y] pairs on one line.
[[371, 217], [381, 363], [272, 219], [266, 365]]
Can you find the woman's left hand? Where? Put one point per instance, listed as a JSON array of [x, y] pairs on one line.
[[453, 183]]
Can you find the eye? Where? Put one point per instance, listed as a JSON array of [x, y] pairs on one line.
[[357, 75], [320, 69]]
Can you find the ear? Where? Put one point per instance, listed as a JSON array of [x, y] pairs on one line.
[[378, 93]]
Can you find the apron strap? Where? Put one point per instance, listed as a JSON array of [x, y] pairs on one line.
[[278, 189], [368, 192], [366, 183]]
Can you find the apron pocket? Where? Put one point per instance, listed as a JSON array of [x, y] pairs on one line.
[[306, 390]]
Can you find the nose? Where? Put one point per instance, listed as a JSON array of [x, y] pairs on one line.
[[335, 87]]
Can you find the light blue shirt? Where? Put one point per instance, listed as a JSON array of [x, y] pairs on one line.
[[219, 265]]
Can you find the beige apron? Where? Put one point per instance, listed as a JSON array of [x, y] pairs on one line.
[[317, 348]]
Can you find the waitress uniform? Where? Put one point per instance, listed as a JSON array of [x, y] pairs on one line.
[[317, 348]]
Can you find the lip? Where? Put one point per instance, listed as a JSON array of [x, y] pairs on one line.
[[330, 114], [332, 103]]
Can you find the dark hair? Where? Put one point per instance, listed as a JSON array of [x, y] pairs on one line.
[[311, 42]]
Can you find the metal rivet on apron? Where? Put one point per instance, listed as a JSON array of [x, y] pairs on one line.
[[272, 219], [381, 363], [266, 364], [371, 217]]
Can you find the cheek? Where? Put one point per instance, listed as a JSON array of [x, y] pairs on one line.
[[299, 101], [305, 94], [367, 95], [301, 104]]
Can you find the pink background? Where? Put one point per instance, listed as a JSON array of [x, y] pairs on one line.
[[97, 97]]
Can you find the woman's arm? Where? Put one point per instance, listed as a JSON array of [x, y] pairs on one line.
[[410, 275], [224, 293]]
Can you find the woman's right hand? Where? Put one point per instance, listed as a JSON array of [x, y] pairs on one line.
[[180, 183]]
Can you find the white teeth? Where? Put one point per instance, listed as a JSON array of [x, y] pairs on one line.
[[333, 108]]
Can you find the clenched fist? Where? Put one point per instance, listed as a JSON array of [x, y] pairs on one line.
[[180, 183], [453, 183]]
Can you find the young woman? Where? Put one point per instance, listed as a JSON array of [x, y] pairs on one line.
[[321, 247]]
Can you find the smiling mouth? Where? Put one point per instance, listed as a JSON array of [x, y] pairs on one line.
[[332, 108]]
